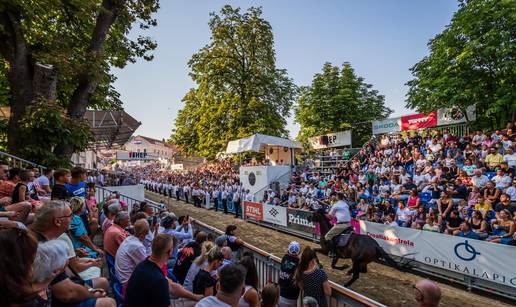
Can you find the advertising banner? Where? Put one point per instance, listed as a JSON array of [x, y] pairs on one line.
[[418, 121], [387, 125], [275, 214], [253, 210], [176, 166], [455, 116], [475, 258], [337, 139], [300, 220], [230, 206], [131, 155]]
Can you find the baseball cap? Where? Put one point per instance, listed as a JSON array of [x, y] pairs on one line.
[[294, 248]]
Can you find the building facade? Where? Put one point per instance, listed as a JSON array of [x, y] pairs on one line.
[[155, 148]]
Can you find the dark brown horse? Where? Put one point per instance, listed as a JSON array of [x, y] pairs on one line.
[[361, 249]]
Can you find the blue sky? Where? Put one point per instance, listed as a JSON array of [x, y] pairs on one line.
[[382, 39]]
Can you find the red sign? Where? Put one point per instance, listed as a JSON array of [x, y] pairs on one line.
[[418, 121], [253, 210]]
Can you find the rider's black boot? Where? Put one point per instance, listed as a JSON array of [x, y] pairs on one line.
[[332, 251]]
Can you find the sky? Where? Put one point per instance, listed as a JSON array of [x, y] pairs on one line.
[[381, 39]]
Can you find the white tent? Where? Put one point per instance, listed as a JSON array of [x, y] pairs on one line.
[[258, 143]]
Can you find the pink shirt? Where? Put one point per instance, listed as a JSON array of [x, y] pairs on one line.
[[113, 237], [106, 224]]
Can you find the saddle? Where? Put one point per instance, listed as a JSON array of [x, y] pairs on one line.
[[342, 239]]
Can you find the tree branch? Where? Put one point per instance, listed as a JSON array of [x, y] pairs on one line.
[[88, 81]]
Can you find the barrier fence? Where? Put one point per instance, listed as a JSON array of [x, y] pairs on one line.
[[268, 267], [489, 268], [477, 264], [15, 161], [102, 194]]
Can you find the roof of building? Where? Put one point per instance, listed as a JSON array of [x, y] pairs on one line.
[[157, 142]]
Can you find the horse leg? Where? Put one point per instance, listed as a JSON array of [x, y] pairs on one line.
[[356, 274], [363, 268], [334, 264]]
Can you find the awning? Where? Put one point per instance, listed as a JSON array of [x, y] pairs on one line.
[[257, 143], [111, 129]]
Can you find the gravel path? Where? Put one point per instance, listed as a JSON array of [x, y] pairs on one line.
[[381, 283]]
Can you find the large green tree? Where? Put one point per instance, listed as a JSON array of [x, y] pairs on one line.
[[239, 91], [471, 62], [339, 100], [78, 42]]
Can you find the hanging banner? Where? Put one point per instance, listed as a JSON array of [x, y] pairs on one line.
[[131, 155], [337, 139], [387, 125], [418, 121], [475, 258], [300, 220], [275, 214], [229, 205], [253, 210], [454, 115]]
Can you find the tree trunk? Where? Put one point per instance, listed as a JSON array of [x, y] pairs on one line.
[[87, 81], [44, 82], [19, 74]]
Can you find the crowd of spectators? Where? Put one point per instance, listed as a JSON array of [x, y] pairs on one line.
[[428, 180], [439, 182], [216, 182], [59, 244]]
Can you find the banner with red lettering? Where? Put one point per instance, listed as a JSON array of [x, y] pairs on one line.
[[418, 121], [253, 210], [475, 258]]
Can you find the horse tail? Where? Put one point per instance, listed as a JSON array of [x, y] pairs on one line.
[[403, 265], [383, 255]]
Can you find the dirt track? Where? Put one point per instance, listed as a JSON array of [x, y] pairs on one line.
[[383, 284]]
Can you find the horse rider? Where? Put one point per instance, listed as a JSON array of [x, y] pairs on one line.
[[341, 212]]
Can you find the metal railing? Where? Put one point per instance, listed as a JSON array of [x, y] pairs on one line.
[[421, 267], [19, 162], [268, 267], [102, 193]]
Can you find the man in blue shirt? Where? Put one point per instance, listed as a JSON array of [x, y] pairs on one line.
[[77, 185]]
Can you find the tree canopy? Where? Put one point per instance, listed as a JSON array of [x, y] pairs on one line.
[[339, 100], [239, 90], [78, 42], [471, 62]]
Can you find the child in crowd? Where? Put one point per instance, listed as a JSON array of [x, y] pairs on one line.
[[430, 225], [61, 178], [93, 211]]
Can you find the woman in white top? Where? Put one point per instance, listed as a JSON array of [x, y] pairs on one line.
[[250, 297], [198, 264]]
